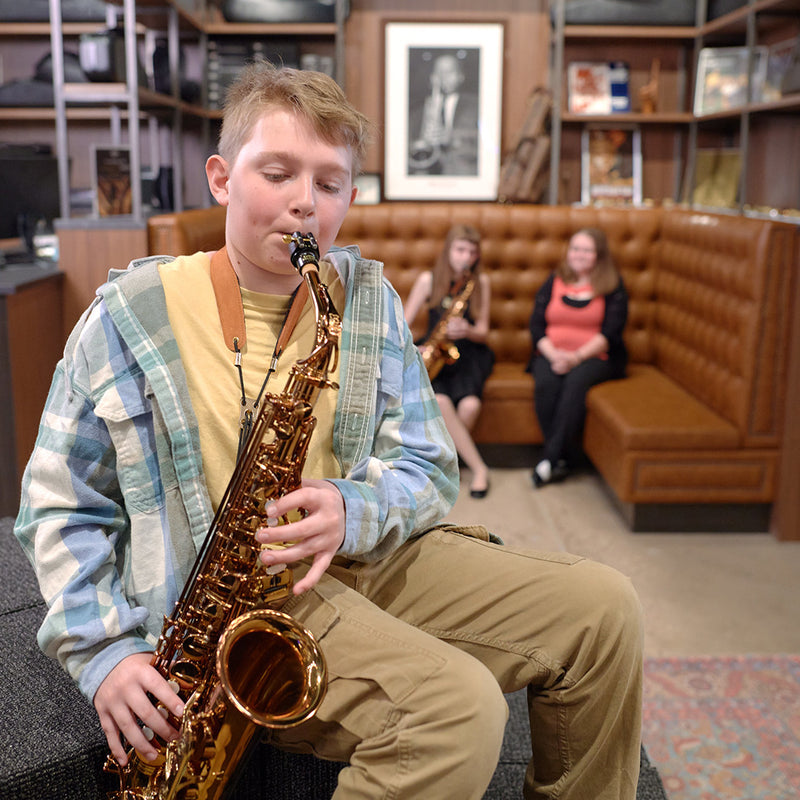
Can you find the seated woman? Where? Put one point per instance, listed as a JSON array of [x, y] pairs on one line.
[[576, 326], [457, 296]]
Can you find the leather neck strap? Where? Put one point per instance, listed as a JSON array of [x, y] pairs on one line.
[[231, 309]]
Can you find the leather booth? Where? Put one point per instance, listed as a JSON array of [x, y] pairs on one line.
[[696, 426]]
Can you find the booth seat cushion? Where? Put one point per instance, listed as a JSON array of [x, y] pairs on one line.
[[647, 410]]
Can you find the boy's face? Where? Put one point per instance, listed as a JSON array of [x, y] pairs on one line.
[[284, 179]]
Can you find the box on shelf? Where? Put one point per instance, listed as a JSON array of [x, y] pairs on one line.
[[226, 56], [722, 78], [279, 10], [598, 87], [718, 8], [39, 11], [625, 12]]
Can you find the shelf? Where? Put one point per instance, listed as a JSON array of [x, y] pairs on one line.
[[629, 32], [637, 117], [790, 103], [43, 28]]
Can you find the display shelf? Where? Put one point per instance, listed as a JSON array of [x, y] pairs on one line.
[[664, 130], [758, 128], [116, 105]]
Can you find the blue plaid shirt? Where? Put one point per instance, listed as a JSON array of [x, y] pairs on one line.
[[114, 504]]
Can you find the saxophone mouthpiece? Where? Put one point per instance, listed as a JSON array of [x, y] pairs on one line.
[[303, 250]]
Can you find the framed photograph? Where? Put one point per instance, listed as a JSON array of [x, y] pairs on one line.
[[611, 165], [369, 189], [444, 84], [722, 78], [111, 181]]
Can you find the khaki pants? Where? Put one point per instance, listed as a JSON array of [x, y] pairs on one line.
[[421, 646]]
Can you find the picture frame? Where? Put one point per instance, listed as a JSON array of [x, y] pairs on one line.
[[111, 180], [722, 78], [442, 144], [611, 165], [369, 189]]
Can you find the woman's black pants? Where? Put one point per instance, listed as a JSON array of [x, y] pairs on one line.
[[560, 403]]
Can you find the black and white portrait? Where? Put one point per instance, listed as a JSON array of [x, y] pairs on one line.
[[443, 99], [444, 108]]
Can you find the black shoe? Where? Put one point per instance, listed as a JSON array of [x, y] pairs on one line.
[[479, 494], [560, 472]]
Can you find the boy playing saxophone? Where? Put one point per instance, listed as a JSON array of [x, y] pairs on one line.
[[423, 626]]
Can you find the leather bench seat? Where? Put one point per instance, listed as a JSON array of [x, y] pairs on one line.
[[648, 411]]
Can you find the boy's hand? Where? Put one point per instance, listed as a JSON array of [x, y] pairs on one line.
[[122, 701], [319, 533]]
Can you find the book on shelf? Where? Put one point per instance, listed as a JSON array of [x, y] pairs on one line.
[[611, 165], [589, 87], [723, 78], [620, 86], [598, 87], [227, 56]]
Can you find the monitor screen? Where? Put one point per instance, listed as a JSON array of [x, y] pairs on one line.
[[28, 191]]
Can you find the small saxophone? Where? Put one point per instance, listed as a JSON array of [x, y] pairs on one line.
[[235, 660], [437, 350]]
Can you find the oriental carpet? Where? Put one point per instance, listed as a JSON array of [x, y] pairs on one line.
[[724, 728]]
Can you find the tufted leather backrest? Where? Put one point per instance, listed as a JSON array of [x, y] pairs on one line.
[[724, 289], [709, 294], [185, 232], [521, 245]]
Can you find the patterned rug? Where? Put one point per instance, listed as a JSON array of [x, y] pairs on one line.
[[724, 728]]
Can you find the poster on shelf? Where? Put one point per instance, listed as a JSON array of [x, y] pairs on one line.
[[589, 85], [722, 78], [111, 181], [611, 165]]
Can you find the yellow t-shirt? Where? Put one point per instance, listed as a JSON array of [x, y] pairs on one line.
[[214, 387]]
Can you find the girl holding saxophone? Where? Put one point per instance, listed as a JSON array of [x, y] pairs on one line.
[[457, 296]]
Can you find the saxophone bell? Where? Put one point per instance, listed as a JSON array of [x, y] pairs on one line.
[[271, 669]]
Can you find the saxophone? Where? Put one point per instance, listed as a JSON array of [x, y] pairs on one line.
[[437, 350], [237, 661]]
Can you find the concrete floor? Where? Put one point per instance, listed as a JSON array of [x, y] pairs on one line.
[[703, 594]]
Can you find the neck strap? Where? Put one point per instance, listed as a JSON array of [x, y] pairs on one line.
[[231, 309]]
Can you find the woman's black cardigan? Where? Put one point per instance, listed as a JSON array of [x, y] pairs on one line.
[[614, 319]]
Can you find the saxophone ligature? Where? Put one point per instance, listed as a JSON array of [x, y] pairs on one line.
[[438, 350], [235, 659]]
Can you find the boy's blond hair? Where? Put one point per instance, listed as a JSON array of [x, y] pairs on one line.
[[313, 95]]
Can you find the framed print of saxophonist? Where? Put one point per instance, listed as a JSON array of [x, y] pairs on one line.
[[443, 89]]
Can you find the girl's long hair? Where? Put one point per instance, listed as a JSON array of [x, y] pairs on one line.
[[605, 275], [443, 274]]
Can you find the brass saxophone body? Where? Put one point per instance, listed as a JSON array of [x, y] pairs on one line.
[[438, 350], [237, 662]]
